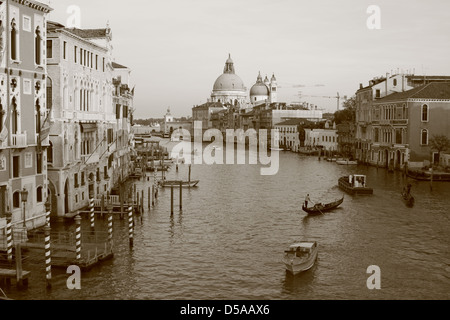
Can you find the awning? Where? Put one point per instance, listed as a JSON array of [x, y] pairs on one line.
[[88, 127]]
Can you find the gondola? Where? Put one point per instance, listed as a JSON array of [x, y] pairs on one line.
[[321, 208], [409, 199]]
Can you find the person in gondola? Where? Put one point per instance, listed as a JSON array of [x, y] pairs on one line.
[[408, 189], [307, 199]]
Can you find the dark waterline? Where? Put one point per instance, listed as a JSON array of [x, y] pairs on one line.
[[228, 241]]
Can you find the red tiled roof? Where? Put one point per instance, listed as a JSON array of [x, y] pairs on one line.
[[118, 66], [432, 90], [88, 33]]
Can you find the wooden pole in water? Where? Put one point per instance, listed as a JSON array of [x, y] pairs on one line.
[[78, 237], [181, 195], [110, 226], [19, 270], [171, 200], [102, 205], [189, 178], [9, 239], [48, 258], [92, 213], [142, 201], [130, 222], [138, 210]]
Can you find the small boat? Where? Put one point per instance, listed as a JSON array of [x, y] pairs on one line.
[[346, 162], [320, 208], [331, 159], [176, 183], [276, 149], [300, 256], [407, 196], [355, 184], [409, 199]]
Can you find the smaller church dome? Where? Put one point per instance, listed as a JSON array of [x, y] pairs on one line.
[[259, 88]]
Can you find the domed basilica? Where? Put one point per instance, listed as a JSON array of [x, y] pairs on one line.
[[229, 88]]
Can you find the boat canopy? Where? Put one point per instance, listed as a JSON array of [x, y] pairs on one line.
[[307, 245]]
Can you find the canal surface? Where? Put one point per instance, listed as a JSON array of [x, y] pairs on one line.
[[229, 240]]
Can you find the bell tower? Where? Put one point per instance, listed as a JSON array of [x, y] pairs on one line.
[[273, 89]]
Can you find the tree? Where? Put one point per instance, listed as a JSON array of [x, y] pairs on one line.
[[348, 114], [439, 143]]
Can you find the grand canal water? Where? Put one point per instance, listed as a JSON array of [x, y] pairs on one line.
[[229, 240]]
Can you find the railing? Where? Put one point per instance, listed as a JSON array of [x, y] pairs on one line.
[[19, 140]]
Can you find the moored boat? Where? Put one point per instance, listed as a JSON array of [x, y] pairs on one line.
[[176, 183], [300, 256], [355, 184], [320, 208], [346, 162]]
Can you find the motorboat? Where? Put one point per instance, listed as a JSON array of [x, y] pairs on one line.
[[300, 256]]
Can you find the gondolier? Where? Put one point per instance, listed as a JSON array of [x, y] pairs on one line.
[[307, 199]]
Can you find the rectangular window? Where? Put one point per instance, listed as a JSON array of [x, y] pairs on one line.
[[117, 111], [81, 56], [75, 50], [103, 64], [75, 180], [16, 166], [49, 49], [82, 179], [26, 86], [26, 24], [377, 93], [64, 50], [28, 160], [105, 172], [92, 60], [96, 62]]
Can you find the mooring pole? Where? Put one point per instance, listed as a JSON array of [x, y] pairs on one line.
[[92, 213], [171, 200], [110, 226], [78, 237], [130, 222], [181, 195], [48, 257], [9, 239]]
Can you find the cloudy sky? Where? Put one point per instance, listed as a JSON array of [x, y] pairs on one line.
[[177, 48]]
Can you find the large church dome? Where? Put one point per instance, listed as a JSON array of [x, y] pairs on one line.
[[229, 87], [229, 80]]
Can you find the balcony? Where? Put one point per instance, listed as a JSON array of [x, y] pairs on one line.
[[400, 122], [90, 158], [19, 140]]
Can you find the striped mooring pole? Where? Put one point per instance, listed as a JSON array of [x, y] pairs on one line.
[[130, 222], [78, 237], [110, 226], [9, 239], [48, 257], [47, 246], [92, 213]]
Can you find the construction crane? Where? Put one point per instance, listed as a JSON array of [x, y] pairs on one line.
[[338, 97]]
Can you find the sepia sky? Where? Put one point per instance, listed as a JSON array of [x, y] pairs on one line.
[[177, 48]]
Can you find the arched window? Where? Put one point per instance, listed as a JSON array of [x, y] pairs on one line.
[[425, 113], [15, 117], [16, 199], [50, 153], [49, 84], [39, 194], [14, 40], [424, 137], [38, 116], [2, 117], [38, 46]]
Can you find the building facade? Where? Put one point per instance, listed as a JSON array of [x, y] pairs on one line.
[[88, 112], [24, 112]]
